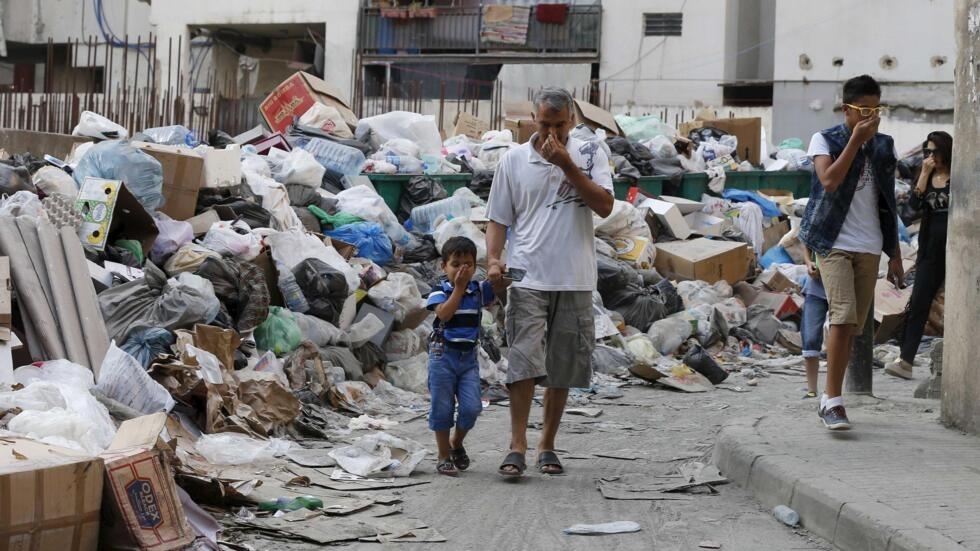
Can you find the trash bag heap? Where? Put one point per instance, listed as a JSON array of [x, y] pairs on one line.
[[272, 290]]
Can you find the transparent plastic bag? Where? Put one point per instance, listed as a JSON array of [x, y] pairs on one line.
[[375, 453], [279, 332], [170, 135], [22, 203], [410, 374], [52, 180], [643, 350], [461, 227], [669, 333], [364, 329], [644, 128], [397, 295], [59, 371], [662, 147], [419, 129], [94, 125], [402, 345], [146, 344], [60, 414], [233, 239], [173, 235], [298, 167], [238, 449], [119, 160]]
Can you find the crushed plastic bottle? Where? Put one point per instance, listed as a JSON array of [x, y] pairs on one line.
[[786, 515], [291, 504], [292, 294], [339, 158]]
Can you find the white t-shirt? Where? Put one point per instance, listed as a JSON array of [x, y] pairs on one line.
[[552, 236], [861, 232]]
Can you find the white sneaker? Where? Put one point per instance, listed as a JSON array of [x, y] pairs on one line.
[[899, 368]]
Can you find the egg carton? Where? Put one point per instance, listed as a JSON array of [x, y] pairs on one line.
[[62, 212]]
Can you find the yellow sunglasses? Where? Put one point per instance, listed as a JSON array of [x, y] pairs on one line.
[[868, 111]]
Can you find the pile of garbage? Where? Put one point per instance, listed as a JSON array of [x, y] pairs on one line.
[[255, 300]]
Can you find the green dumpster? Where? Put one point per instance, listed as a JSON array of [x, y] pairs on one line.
[[390, 186]]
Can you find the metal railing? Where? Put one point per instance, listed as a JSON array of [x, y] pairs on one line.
[[457, 31]]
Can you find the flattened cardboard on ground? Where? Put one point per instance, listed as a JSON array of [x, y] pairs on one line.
[[51, 497], [470, 126], [141, 508], [183, 176], [704, 259], [296, 95], [669, 216], [39, 144], [889, 311], [748, 131]]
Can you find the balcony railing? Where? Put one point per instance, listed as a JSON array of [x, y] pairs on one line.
[[446, 30]]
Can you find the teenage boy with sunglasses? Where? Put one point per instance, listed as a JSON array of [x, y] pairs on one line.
[[850, 219]]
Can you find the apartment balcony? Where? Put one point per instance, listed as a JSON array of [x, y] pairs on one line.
[[434, 34]]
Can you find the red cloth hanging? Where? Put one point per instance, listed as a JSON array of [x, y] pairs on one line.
[[551, 13]]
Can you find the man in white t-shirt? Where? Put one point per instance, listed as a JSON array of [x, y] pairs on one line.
[[850, 219], [543, 194]]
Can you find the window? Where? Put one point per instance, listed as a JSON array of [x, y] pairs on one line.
[[662, 24]]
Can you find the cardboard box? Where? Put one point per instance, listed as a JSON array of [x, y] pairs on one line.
[[776, 281], [748, 131], [51, 497], [39, 144], [125, 217], [5, 288], [686, 206], [296, 95], [704, 259], [596, 117], [782, 305], [522, 129], [703, 223], [889, 311], [470, 126], [183, 177], [668, 215], [223, 167], [774, 233], [141, 508]]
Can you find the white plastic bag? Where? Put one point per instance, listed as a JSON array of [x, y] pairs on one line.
[[320, 332], [643, 350], [94, 125], [624, 220], [232, 239], [662, 147], [397, 295], [237, 449], [365, 203], [52, 180], [373, 454], [397, 147], [461, 227], [365, 328], [733, 311], [420, 129], [410, 374], [299, 167], [22, 203], [326, 118], [57, 371], [669, 333], [695, 293], [402, 345], [60, 414]]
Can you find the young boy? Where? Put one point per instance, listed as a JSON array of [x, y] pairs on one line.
[[454, 372], [814, 315], [850, 219]]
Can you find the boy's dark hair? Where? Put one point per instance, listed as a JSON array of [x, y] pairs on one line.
[[858, 87], [944, 145], [460, 245]]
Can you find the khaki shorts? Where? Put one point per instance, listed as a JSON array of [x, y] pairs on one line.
[[551, 335], [849, 279]]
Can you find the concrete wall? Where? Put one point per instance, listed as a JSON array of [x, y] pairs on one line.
[[665, 70], [34, 21], [961, 378], [337, 17]]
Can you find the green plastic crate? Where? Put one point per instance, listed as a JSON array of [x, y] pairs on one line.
[[390, 186]]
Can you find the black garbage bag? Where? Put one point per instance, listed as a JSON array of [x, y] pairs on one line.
[[421, 190], [14, 179], [122, 255], [219, 139], [325, 288], [241, 289], [668, 295], [147, 343], [251, 213], [639, 306], [32, 163], [614, 275], [697, 135], [371, 356], [302, 195], [310, 222], [698, 359], [480, 183], [636, 153], [422, 249]]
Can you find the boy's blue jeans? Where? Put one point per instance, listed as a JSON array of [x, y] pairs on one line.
[[814, 316], [454, 376]]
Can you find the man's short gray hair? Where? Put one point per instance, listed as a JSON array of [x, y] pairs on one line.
[[553, 98]]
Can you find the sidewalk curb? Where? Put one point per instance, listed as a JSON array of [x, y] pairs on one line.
[[850, 520]]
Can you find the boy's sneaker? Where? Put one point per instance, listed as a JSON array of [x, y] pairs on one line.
[[899, 368], [834, 418]]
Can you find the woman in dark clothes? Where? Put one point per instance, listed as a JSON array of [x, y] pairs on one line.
[[931, 195]]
